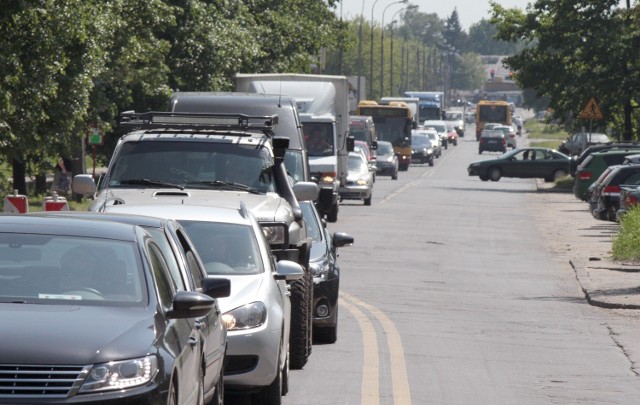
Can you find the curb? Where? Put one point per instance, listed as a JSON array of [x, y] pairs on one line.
[[602, 297]]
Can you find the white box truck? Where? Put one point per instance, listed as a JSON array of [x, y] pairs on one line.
[[323, 107]]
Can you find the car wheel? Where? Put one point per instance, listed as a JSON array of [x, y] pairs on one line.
[[332, 216], [479, 151], [218, 394], [271, 394], [285, 375], [559, 174], [367, 201], [431, 161], [484, 177], [394, 176], [495, 174], [299, 330], [172, 395]]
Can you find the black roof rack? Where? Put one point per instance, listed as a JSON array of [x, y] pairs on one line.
[[187, 120]]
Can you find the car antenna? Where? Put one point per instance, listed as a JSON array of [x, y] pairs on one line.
[[280, 95]]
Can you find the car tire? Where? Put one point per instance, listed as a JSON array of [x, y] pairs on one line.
[[299, 329], [367, 201], [271, 394], [285, 375], [479, 151], [172, 395], [494, 173], [394, 176], [218, 394], [431, 162], [484, 177], [332, 216]]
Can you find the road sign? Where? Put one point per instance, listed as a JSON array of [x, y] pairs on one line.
[[55, 203], [592, 111], [95, 136], [16, 203]]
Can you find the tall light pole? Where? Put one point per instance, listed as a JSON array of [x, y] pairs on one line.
[[382, 45], [360, 50], [393, 21], [371, 56]]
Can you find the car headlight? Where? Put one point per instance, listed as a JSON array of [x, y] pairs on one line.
[[118, 375], [390, 159], [429, 151], [362, 182], [319, 269], [274, 234], [246, 317], [327, 178]]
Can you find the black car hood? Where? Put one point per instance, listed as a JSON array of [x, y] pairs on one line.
[[74, 335]]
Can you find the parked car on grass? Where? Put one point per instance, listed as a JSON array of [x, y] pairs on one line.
[[578, 142], [359, 181], [421, 147], [386, 160], [541, 163], [492, 140], [127, 324], [326, 274], [593, 166], [231, 244], [607, 193]]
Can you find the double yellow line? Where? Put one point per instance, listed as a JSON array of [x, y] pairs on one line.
[[370, 367]]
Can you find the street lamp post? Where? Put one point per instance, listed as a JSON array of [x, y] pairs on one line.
[[360, 50], [382, 45], [371, 55], [393, 21]]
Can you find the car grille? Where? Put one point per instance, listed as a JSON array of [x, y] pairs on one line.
[[40, 381], [239, 364]]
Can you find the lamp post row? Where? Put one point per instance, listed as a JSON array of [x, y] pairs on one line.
[[371, 96]]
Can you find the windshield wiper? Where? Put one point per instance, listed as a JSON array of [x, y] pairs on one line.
[[227, 185], [151, 183]]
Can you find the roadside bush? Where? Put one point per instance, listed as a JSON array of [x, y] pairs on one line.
[[626, 245]]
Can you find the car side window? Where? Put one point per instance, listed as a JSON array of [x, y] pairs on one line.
[[163, 282], [195, 272], [172, 262]]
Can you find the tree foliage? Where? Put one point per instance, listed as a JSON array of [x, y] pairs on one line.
[[575, 50]]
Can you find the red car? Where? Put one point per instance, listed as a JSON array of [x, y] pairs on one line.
[[452, 134]]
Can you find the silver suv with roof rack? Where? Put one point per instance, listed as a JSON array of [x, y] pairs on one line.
[[217, 160]]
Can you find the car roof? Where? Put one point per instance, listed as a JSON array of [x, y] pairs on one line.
[[125, 218], [60, 225]]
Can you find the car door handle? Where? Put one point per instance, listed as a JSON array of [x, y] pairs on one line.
[[198, 324], [193, 341]]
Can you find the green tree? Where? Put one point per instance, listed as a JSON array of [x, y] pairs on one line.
[[48, 58], [575, 50], [482, 40]]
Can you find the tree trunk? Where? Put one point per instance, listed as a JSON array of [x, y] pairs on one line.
[[19, 182]]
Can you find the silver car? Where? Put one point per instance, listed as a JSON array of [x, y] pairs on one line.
[[231, 244]]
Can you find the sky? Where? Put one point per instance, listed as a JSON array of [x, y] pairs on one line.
[[469, 11]]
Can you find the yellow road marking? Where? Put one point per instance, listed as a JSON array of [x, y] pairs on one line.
[[399, 380], [370, 386]]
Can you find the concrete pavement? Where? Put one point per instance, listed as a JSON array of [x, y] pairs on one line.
[[574, 236]]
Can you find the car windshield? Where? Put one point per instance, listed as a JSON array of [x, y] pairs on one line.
[[183, 164], [50, 269], [420, 140], [357, 164], [384, 148], [225, 249]]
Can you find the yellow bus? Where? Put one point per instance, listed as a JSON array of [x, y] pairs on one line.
[[393, 123], [491, 111]]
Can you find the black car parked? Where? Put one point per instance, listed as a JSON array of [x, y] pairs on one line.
[[607, 192], [97, 311], [326, 274]]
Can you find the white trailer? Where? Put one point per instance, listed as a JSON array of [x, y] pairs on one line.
[[323, 107]]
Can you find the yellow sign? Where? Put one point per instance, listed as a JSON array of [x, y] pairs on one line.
[[592, 110]]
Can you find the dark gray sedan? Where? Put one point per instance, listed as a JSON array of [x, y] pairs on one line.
[[543, 163], [97, 311]]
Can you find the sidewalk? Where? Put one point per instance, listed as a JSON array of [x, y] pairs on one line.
[[585, 242]]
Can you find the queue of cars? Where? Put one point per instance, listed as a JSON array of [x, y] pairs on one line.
[[202, 231]]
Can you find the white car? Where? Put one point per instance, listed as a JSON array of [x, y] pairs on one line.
[[359, 180], [231, 244], [441, 128]]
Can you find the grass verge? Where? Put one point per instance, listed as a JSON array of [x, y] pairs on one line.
[[626, 245], [542, 130]]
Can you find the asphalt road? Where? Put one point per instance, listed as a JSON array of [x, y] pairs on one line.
[[450, 296]]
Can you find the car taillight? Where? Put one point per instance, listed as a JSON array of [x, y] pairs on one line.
[[611, 190], [584, 176], [631, 199], [504, 141]]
